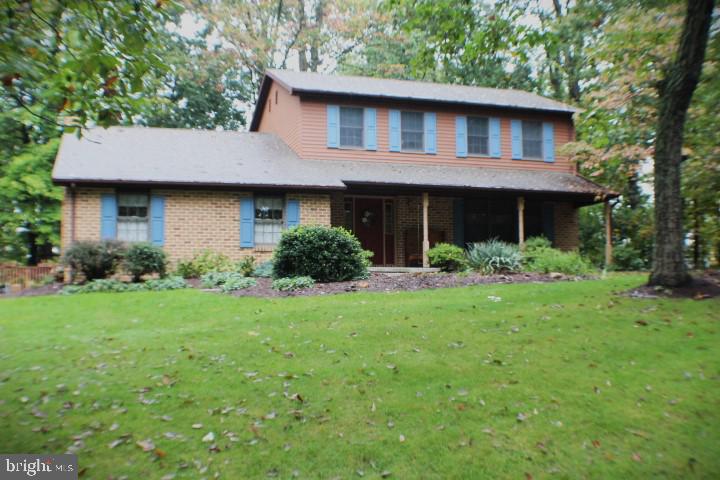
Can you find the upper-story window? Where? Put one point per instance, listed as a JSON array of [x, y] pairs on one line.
[[532, 139], [412, 131], [351, 127], [132, 219], [478, 136]]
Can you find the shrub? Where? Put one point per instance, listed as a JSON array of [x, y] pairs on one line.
[[202, 263], [143, 259], [105, 285], [541, 257], [627, 257], [265, 269], [216, 279], [167, 283], [290, 284], [494, 256], [326, 254], [246, 266], [237, 283], [447, 257], [95, 259]]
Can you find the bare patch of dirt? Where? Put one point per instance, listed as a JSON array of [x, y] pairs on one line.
[[382, 282], [704, 285]]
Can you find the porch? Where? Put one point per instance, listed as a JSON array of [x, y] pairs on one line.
[[399, 225]]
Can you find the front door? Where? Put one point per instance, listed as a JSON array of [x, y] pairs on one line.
[[368, 225]]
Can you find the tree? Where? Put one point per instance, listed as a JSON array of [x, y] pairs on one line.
[[675, 93]]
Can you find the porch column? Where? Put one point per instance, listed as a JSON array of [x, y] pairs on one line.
[[521, 220], [608, 234], [426, 230]]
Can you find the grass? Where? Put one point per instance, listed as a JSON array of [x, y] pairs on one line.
[[561, 380]]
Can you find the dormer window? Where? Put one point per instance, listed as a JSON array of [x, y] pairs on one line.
[[412, 131], [351, 127], [532, 139]]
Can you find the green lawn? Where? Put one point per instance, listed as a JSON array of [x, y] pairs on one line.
[[562, 380]]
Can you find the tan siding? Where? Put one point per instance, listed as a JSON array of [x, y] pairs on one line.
[[282, 118], [314, 141]]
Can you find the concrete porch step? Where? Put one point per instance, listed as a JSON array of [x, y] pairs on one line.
[[403, 270]]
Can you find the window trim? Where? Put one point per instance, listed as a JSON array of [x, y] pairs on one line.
[[422, 147], [339, 129], [467, 136], [148, 220], [283, 220], [542, 141]]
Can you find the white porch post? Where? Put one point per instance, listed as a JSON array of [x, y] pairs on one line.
[[521, 220], [426, 230]]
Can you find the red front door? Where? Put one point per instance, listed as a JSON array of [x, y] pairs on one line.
[[369, 226]]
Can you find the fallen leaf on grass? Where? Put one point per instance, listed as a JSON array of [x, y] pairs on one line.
[[146, 445], [197, 426], [636, 457], [209, 437]]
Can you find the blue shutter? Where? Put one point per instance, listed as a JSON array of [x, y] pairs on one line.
[[394, 127], [548, 221], [157, 220], [370, 121], [293, 213], [548, 142], [494, 126], [460, 136], [430, 132], [247, 222], [459, 222], [333, 126], [516, 137], [108, 216]]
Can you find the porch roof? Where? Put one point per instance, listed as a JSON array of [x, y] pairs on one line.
[[196, 158]]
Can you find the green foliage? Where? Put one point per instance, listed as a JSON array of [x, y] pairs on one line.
[[216, 279], [95, 260], [290, 284], [143, 259], [29, 203], [204, 262], [116, 286], [628, 258], [447, 257], [494, 256], [541, 257], [264, 270], [323, 253], [246, 266], [237, 283]]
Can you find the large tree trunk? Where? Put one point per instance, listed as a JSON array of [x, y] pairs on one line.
[[676, 90]]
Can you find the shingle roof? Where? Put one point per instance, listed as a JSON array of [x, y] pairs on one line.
[[182, 156], [316, 83], [162, 156]]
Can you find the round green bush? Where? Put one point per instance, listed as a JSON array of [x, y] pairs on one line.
[[326, 254], [94, 259], [447, 257], [143, 259]]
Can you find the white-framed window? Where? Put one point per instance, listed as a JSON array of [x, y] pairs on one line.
[[132, 219], [269, 219], [532, 139], [412, 131], [351, 127], [478, 136]]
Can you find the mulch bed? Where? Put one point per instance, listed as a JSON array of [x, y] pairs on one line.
[[704, 285], [381, 282]]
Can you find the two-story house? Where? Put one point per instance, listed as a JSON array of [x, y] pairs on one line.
[[402, 164]]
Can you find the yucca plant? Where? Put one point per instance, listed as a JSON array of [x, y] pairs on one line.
[[494, 256]]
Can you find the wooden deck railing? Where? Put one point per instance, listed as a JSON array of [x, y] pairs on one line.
[[24, 275]]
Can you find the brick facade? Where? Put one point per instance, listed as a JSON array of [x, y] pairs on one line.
[[195, 220], [567, 226]]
